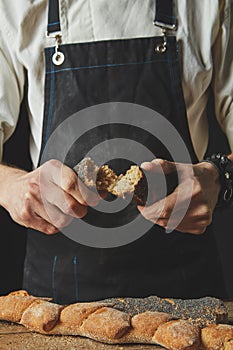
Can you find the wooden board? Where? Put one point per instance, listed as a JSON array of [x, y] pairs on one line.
[[16, 337]]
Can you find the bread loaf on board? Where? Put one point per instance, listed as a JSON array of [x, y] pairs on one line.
[[107, 322]]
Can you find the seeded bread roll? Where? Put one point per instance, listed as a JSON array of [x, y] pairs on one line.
[[200, 312]]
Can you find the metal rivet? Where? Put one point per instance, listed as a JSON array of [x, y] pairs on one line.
[[58, 58], [228, 195], [161, 48]]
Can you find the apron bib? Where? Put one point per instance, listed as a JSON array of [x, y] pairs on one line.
[[174, 265]]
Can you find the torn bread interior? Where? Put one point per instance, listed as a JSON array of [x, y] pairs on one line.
[[105, 179]]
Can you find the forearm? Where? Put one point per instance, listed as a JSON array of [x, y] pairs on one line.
[[8, 176]]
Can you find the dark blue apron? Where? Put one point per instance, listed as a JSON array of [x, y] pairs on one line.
[[132, 70]]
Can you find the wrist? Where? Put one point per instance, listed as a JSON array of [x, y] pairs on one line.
[[224, 167], [8, 179]]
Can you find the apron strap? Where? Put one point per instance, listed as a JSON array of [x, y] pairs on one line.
[[54, 26], [164, 16]]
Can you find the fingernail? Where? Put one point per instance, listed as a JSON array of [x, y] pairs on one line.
[[146, 165]]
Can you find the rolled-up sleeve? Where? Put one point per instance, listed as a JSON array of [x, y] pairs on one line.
[[223, 70], [12, 78]]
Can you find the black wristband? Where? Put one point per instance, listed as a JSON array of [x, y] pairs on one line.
[[225, 169]]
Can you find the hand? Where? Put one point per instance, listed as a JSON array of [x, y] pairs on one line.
[[46, 199], [196, 196]]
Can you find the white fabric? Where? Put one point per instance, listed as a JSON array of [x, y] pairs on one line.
[[205, 37]]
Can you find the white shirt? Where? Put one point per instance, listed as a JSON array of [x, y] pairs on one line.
[[204, 34]]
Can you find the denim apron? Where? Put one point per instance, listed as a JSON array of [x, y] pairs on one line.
[[142, 71]]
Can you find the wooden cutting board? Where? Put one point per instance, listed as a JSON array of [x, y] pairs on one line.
[[16, 337]]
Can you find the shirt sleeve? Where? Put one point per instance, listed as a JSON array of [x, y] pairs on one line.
[[223, 70], [12, 78]]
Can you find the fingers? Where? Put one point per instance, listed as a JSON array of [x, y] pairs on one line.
[[52, 195], [65, 178], [42, 215], [25, 216], [160, 166], [39, 224], [191, 219], [45, 206], [53, 205], [53, 215], [160, 210]]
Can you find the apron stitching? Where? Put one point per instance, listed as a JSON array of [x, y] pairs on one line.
[[53, 278], [173, 80], [75, 278], [178, 87], [51, 97], [104, 65], [177, 107], [51, 24], [177, 90]]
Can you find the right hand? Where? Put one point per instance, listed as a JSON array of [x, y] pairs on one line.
[[45, 199]]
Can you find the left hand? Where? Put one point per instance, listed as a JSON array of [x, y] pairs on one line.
[[196, 195]]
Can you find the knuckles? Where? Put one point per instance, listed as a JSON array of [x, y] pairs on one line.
[[70, 207], [166, 212], [25, 215], [50, 230], [54, 163], [62, 222], [69, 184]]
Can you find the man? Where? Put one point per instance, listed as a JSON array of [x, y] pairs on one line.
[[95, 70]]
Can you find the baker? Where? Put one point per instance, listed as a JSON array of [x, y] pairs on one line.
[[167, 64]]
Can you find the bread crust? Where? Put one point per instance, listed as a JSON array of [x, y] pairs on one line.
[[217, 336], [103, 178], [104, 322], [178, 335]]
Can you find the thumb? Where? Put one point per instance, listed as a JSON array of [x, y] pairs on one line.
[[160, 166]]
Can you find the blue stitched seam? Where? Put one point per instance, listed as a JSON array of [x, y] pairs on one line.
[[50, 100], [53, 23], [75, 278], [104, 65], [176, 89], [173, 80], [53, 278]]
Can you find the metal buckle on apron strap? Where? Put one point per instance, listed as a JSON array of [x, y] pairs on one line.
[[162, 47], [58, 57]]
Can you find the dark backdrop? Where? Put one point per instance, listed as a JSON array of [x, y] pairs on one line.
[[13, 236], [223, 218]]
